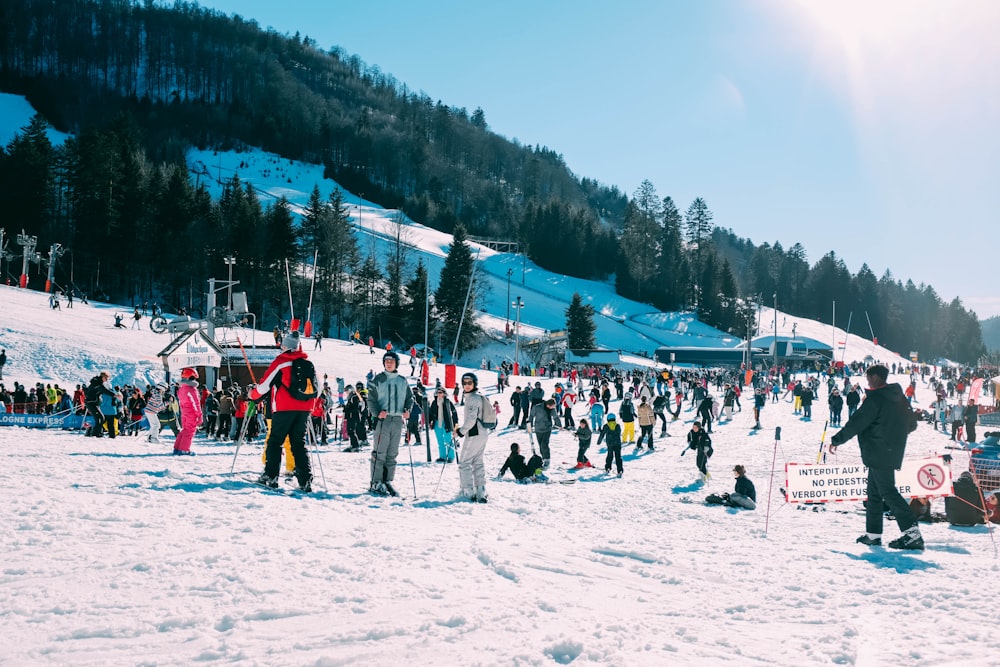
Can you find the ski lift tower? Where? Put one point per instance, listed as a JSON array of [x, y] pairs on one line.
[[29, 243]]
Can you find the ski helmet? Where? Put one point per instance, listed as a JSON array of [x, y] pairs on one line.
[[189, 373], [611, 417], [162, 386], [291, 341], [390, 355], [471, 377]]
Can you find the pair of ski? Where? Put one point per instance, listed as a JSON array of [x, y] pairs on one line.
[[281, 491]]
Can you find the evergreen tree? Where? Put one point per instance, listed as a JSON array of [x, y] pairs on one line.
[[451, 307], [698, 225], [415, 312], [580, 328]]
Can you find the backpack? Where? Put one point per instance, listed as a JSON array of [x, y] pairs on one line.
[[302, 380], [489, 419]]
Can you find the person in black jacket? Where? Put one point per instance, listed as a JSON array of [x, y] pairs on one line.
[[98, 387], [699, 441], [442, 417], [744, 495], [853, 401], [612, 433], [882, 424], [515, 402], [523, 472], [836, 403]]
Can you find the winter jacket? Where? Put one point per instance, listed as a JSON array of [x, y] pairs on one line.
[[745, 487], [701, 442], [389, 392], [276, 380], [540, 419], [645, 414], [836, 402], [442, 412], [881, 424], [612, 433], [627, 411], [187, 397], [475, 409]]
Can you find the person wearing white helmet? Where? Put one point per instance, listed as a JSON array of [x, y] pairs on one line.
[[389, 401], [471, 471]]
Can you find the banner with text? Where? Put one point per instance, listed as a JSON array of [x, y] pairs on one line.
[[820, 483]]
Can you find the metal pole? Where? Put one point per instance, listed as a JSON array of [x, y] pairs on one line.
[[509, 272]]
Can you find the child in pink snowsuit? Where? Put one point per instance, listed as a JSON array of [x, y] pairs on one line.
[[190, 404]]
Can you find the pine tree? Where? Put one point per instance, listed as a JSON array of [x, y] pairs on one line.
[[698, 224], [450, 307], [580, 328], [415, 308]]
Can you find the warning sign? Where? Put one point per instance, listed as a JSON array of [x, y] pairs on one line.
[[812, 483]]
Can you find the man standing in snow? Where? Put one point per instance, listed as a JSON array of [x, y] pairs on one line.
[[289, 415], [3, 361], [389, 400], [882, 424]]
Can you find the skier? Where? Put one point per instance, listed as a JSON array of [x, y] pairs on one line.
[[187, 397], [612, 433], [289, 414], [583, 436], [471, 471], [882, 424], [100, 385], [389, 400]]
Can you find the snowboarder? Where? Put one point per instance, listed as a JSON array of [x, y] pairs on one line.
[[743, 496]]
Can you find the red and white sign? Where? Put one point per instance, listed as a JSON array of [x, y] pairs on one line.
[[820, 483]]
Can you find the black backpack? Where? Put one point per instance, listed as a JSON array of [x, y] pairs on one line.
[[302, 380]]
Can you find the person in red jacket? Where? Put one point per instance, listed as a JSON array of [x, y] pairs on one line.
[[289, 416]]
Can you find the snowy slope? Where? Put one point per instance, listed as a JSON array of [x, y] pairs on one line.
[[116, 553]]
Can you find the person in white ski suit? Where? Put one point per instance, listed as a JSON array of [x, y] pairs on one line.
[[471, 471]]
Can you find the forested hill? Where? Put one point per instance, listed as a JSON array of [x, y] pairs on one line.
[[138, 83], [191, 74]]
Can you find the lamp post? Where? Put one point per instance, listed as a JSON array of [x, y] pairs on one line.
[[519, 304], [230, 260]]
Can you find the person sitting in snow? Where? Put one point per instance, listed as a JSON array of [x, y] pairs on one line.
[[523, 472], [743, 496]]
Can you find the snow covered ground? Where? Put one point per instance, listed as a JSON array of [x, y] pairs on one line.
[[117, 553]]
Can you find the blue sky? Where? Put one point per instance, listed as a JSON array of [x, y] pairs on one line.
[[862, 128]]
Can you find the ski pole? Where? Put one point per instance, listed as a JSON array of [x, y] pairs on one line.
[[767, 516], [413, 477], [239, 439], [311, 433], [821, 455], [380, 427]]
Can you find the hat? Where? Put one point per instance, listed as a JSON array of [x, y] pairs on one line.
[[611, 417], [291, 341], [472, 378]]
